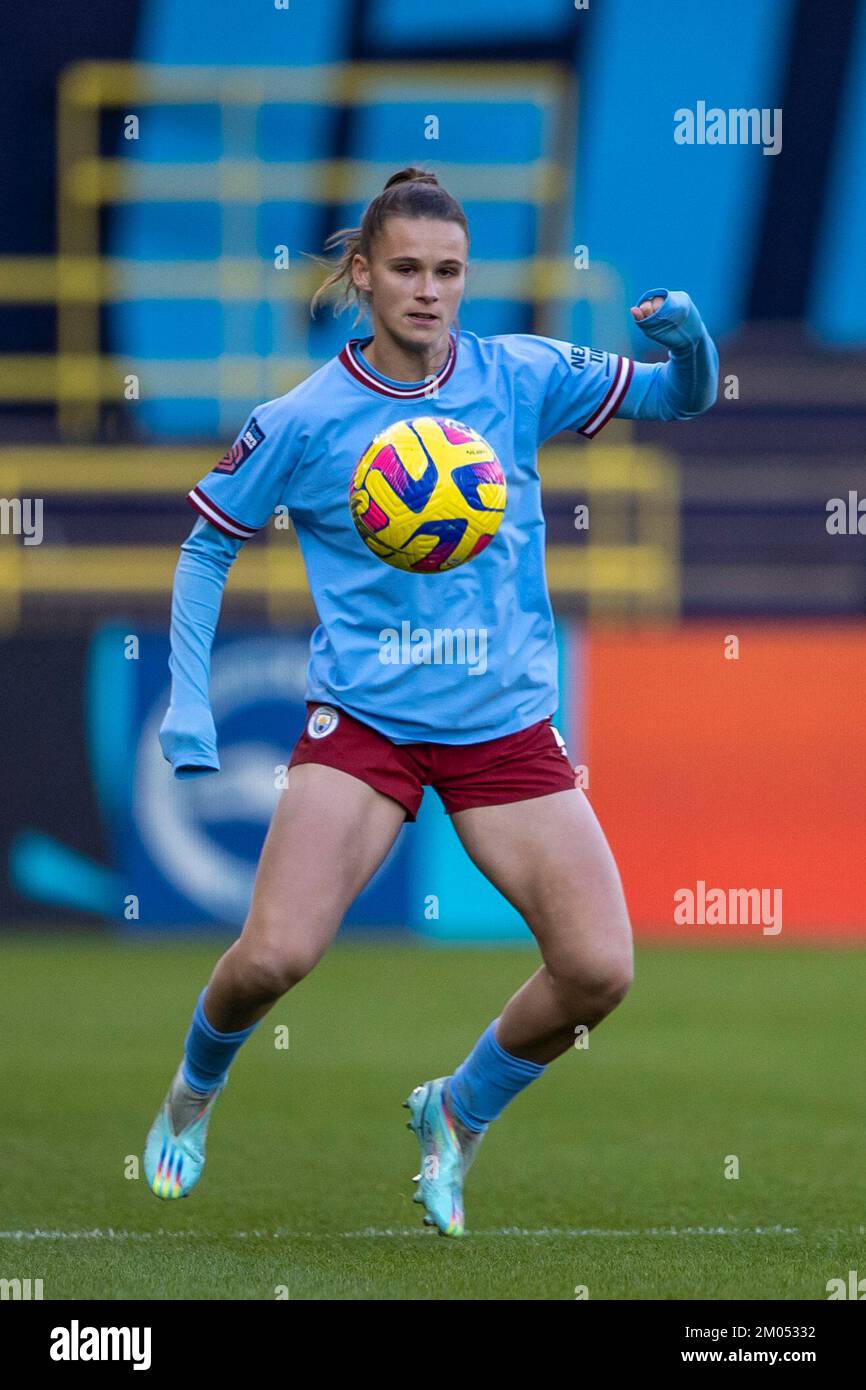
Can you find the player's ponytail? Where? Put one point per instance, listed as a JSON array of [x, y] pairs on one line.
[[410, 192]]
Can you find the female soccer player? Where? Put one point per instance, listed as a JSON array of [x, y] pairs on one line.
[[377, 733]]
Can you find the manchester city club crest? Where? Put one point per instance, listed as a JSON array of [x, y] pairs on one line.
[[322, 721]]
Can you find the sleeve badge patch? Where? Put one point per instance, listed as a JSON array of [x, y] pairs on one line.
[[241, 449]]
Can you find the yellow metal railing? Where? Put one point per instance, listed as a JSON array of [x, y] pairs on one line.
[[84, 283], [238, 178], [79, 281], [97, 279], [628, 562]]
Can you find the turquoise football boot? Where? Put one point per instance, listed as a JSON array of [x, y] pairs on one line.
[[174, 1161], [447, 1152]]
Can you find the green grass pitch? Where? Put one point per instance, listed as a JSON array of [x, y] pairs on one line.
[[608, 1173]]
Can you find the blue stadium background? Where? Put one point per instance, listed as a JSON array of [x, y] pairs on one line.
[[770, 247]]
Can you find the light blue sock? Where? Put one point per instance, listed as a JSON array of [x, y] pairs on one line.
[[207, 1053], [482, 1086]]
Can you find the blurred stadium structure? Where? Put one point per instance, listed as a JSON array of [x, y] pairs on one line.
[[190, 178], [184, 386]]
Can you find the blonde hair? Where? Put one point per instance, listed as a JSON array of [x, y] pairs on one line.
[[410, 192]]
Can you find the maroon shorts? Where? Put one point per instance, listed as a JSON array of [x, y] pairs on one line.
[[532, 762]]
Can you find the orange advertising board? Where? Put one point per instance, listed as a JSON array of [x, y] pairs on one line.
[[721, 767]]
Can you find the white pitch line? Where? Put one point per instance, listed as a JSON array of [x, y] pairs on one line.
[[373, 1233]]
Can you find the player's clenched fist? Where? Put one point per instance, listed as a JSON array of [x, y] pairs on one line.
[[647, 307], [670, 318]]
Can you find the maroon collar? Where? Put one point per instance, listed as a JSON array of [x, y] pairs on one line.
[[356, 367]]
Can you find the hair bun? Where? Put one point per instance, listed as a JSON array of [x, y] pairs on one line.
[[412, 175]]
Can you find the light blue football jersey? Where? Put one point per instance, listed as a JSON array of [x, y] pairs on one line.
[[491, 670]]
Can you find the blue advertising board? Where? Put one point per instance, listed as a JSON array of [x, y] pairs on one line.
[[186, 851], [181, 856]]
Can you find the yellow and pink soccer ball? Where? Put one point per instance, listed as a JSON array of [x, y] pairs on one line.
[[428, 494]]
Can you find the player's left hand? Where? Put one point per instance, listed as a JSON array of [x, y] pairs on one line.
[[646, 307], [668, 317]]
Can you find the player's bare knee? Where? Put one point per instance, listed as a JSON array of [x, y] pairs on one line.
[[272, 970], [619, 983], [599, 985]]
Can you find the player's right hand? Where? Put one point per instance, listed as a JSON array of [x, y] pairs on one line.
[[188, 740]]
